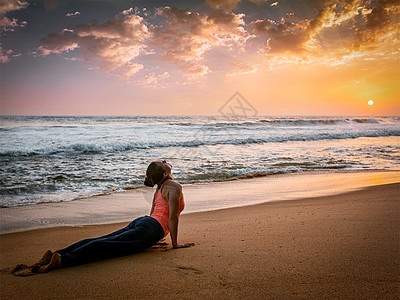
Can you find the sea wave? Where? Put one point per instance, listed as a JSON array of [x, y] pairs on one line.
[[311, 122], [287, 122], [197, 140], [187, 122]]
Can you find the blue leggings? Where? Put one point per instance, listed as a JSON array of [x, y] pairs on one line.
[[139, 235]]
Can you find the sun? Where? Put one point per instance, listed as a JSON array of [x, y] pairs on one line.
[[370, 102]]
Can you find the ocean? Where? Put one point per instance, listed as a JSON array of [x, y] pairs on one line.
[[54, 159]]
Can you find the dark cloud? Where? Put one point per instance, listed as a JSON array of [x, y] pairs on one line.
[[232, 4], [13, 4], [50, 4], [8, 24], [6, 56], [223, 4], [112, 46], [182, 38], [284, 36]]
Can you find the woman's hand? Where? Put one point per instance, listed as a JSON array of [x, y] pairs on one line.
[[186, 245]]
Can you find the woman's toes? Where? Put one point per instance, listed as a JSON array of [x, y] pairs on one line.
[[45, 258], [55, 263]]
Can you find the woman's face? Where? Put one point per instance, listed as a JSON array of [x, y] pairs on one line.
[[165, 166]]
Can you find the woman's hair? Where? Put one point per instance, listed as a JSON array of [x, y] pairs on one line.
[[154, 174]]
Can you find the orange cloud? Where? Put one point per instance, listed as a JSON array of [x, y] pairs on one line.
[[285, 36], [241, 68], [186, 36], [338, 30], [13, 4]]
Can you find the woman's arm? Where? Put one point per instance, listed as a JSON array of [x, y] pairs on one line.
[[173, 193]]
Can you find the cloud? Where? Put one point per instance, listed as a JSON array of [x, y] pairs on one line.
[[336, 30], [7, 55], [13, 4], [50, 4], [230, 4], [63, 41], [112, 46], [183, 37], [7, 24], [153, 80], [3, 56], [241, 68], [72, 58], [127, 11], [284, 36], [381, 20], [186, 36], [223, 4], [259, 1], [73, 14]]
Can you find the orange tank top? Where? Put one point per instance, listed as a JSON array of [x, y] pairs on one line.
[[161, 210]]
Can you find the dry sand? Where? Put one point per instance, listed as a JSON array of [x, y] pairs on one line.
[[342, 246]]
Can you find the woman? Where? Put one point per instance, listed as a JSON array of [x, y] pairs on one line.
[[139, 235]]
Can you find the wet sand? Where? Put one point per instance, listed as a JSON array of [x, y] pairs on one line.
[[130, 204], [327, 247]]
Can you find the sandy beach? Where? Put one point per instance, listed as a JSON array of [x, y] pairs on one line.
[[327, 247]]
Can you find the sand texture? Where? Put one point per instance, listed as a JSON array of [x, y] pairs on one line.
[[343, 246]]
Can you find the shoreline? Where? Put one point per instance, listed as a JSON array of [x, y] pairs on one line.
[[205, 182], [237, 178], [210, 196], [325, 247]]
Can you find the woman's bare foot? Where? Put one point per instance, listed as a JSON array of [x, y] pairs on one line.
[[45, 260], [55, 263]]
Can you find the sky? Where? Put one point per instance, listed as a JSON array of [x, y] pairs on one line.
[[143, 57]]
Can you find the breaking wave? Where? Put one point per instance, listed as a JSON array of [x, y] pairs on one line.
[[198, 140]]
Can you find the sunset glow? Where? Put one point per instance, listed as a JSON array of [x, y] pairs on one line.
[[188, 58]]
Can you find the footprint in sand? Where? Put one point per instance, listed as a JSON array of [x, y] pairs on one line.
[[188, 270], [22, 270]]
